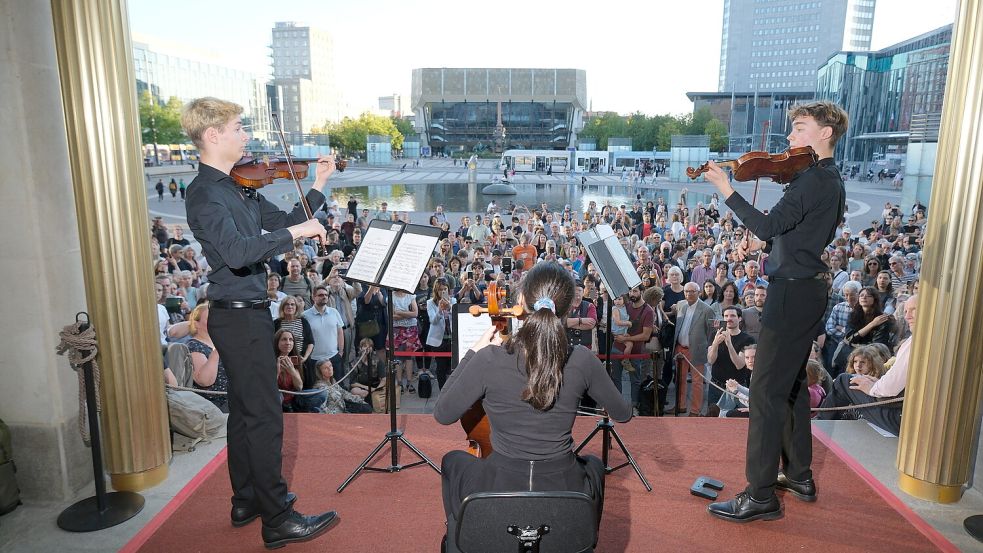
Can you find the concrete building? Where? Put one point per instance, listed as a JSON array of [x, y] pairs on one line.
[[777, 44], [304, 71], [393, 105], [171, 69], [474, 109]]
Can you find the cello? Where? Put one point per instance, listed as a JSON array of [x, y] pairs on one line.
[[474, 420]]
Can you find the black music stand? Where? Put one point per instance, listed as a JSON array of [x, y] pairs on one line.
[[619, 276], [379, 262]]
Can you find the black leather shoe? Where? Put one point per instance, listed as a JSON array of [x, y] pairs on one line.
[[743, 508], [298, 528], [242, 516], [805, 490]]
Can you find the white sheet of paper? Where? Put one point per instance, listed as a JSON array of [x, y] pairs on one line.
[[469, 330], [408, 261], [371, 253]]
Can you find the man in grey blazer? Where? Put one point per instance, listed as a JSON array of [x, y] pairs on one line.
[[694, 330]]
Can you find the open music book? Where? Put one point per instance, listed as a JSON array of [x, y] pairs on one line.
[[393, 255]]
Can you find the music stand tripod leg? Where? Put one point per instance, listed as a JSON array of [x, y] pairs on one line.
[[394, 436], [605, 426]]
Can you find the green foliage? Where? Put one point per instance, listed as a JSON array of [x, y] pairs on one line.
[[164, 119], [404, 126], [349, 135], [717, 132], [648, 132]]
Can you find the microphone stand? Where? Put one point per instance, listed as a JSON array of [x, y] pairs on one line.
[[604, 425]]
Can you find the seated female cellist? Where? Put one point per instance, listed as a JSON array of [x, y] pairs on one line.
[[530, 387]]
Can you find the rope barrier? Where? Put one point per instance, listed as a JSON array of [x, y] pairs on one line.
[[74, 341], [812, 409]]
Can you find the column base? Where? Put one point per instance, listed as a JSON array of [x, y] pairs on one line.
[[137, 481], [928, 491]]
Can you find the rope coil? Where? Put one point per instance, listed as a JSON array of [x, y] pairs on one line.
[[75, 341]]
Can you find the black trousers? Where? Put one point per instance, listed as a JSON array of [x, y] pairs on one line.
[[780, 428], [443, 364], [887, 417], [244, 339]]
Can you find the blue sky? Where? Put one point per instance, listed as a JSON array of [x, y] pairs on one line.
[[639, 56]]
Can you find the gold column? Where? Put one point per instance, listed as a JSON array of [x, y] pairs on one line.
[[942, 398], [92, 41]]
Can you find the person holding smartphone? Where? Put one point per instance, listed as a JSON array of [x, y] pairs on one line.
[[472, 291]]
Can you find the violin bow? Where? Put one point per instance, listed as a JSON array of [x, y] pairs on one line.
[[290, 167]]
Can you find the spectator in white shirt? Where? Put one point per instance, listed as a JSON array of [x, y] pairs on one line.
[[851, 389]]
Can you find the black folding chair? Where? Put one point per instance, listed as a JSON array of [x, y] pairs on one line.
[[526, 522]]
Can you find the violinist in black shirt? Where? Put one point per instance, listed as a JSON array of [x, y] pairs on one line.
[[795, 231], [228, 220]]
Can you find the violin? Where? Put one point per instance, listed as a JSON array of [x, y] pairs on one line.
[[780, 168], [475, 421], [258, 172]]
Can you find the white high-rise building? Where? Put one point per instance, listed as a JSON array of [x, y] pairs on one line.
[[779, 44], [304, 72]]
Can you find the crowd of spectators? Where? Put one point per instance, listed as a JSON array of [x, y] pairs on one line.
[[696, 298]]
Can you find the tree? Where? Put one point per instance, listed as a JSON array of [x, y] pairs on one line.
[[350, 135], [164, 121], [404, 126], [717, 132]]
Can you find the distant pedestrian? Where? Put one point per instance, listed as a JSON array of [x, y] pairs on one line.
[[403, 168], [182, 188], [160, 190], [172, 186]]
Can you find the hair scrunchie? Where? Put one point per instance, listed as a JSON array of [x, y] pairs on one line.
[[544, 302]]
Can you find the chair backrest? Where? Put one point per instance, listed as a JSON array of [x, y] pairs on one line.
[[179, 361], [493, 522]]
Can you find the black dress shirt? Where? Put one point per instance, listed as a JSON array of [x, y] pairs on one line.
[[801, 224], [229, 226]]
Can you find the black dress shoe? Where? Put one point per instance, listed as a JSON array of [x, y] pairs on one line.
[[744, 508], [805, 490], [242, 516], [297, 528]]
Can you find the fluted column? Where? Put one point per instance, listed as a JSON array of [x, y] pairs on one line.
[[942, 399], [99, 96]]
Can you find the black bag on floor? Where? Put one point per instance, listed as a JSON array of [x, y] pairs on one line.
[[647, 398], [9, 492], [424, 387]]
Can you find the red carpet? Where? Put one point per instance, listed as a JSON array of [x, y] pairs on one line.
[[402, 511]]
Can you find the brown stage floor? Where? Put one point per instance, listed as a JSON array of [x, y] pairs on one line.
[[402, 512]]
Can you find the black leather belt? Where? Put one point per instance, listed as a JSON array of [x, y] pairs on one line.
[[817, 276], [232, 304]]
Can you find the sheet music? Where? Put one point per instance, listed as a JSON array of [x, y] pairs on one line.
[[408, 261], [372, 253], [469, 330]]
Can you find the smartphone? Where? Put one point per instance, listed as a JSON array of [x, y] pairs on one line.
[[173, 304], [718, 323], [469, 275], [506, 265]]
